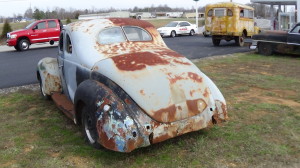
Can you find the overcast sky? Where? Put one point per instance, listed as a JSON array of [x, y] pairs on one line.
[[10, 7]]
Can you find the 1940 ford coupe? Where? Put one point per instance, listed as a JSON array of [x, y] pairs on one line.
[[117, 78]]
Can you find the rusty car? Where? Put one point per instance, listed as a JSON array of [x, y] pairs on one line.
[[117, 79], [269, 42]]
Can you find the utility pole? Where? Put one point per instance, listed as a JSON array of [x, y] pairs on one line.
[[197, 15]]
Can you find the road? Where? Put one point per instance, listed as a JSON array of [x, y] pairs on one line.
[[19, 68]]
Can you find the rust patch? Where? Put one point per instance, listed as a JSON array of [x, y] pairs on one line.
[[193, 107], [129, 21], [162, 138], [168, 52], [142, 92], [127, 101], [105, 141], [175, 78], [138, 61], [206, 93], [165, 114], [64, 104], [195, 77]]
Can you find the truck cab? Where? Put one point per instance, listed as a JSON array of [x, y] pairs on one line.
[[40, 31]]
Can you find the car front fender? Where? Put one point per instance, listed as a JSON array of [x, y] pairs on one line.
[[48, 75]]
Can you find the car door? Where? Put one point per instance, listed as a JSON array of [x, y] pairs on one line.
[[188, 27], [53, 30], [182, 28], [294, 36], [39, 33], [60, 59]]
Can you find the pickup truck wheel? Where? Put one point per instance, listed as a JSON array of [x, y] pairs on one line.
[[216, 41], [17, 48], [23, 45], [192, 32], [265, 49], [173, 34], [44, 95], [89, 128]]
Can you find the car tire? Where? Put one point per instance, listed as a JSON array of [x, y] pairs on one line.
[[240, 40], [23, 44], [192, 32], [173, 34], [44, 95], [89, 129], [215, 41], [17, 48], [265, 49]]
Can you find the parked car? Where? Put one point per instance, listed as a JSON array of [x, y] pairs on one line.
[[229, 21], [40, 31], [277, 41], [177, 28], [117, 78]]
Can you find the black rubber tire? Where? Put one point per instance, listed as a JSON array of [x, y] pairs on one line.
[[173, 34], [44, 95], [17, 48], [89, 129], [215, 41], [265, 49], [192, 32], [240, 40], [23, 44]]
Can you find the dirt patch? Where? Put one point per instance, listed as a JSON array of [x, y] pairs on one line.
[[76, 161], [280, 97]]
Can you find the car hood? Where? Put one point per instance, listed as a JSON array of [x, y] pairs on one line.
[[278, 36], [166, 85], [20, 31]]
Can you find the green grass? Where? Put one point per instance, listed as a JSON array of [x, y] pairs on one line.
[[262, 95]]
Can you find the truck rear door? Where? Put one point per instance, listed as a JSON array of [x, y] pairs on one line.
[[219, 21], [53, 30]]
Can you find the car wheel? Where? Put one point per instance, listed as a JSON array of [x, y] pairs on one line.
[[89, 129], [173, 34], [44, 95], [240, 40], [17, 48], [23, 44], [192, 32], [216, 41], [265, 49]]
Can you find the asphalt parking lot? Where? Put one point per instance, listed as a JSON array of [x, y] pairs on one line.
[[19, 68]]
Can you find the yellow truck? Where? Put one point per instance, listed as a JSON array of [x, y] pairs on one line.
[[229, 21]]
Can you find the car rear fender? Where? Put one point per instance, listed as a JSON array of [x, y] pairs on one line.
[[48, 75]]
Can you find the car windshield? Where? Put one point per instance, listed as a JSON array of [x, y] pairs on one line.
[[28, 26], [171, 24]]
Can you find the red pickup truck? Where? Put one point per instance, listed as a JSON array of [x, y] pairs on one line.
[[40, 31]]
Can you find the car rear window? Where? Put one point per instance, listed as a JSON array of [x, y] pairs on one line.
[[111, 35], [220, 12], [136, 34]]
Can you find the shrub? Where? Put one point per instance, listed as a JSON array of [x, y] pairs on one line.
[[6, 29], [68, 21]]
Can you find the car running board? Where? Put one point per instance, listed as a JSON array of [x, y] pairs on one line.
[[64, 104]]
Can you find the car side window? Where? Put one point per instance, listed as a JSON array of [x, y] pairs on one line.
[[181, 24], [111, 35], [186, 24], [296, 30], [68, 44], [136, 34], [52, 24], [229, 12], [41, 25]]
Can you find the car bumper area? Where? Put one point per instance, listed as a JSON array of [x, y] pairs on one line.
[[11, 42]]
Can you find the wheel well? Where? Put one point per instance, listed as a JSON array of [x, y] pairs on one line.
[[78, 111], [38, 76], [23, 37], [245, 32]]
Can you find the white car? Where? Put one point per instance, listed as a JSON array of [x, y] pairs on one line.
[[177, 27]]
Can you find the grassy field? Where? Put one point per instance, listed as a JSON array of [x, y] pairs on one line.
[[263, 97]]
